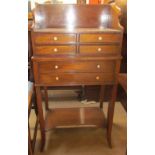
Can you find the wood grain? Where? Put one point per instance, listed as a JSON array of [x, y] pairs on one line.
[[60, 79], [76, 66], [100, 38], [63, 117], [99, 49], [54, 50], [87, 28], [50, 38]]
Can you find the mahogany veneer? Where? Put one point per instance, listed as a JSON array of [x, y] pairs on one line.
[[74, 117], [76, 45], [55, 50], [49, 38], [100, 38]]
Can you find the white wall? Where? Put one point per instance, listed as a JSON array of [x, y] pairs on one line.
[[42, 1], [69, 1]]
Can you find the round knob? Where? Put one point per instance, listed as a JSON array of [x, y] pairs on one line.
[[55, 38], [57, 78], [98, 66], [55, 50], [56, 66], [97, 77], [99, 49], [100, 38]]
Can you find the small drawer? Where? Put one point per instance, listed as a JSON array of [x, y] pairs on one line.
[[76, 78], [42, 38], [52, 50], [77, 66], [99, 49], [103, 37]]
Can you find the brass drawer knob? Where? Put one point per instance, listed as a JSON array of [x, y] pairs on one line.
[[97, 77], [56, 66], [55, 38], [57, 78], [98, 66], [55, 50], [99, 49], [100, 38]]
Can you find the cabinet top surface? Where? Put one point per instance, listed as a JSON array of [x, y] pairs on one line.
[[77, 30]]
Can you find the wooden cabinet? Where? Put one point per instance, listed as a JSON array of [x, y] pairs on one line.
[[76, 45], [78, 52]]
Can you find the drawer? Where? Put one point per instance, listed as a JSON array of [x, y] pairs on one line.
[[54, 38], [97, 38], [76, 78], [51, 50], [100, 49], [77, 66]]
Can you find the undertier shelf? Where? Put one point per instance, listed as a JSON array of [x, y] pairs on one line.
[[74, 117]]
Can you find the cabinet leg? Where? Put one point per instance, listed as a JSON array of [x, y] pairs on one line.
[[41, 117], [30, 152], [46, 98], [101, 97], [82, 93], [35, 102], [111, 114]]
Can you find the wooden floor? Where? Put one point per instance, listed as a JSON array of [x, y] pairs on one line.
[[81, 141]]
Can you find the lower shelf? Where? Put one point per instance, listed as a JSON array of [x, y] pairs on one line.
[[74, 117]]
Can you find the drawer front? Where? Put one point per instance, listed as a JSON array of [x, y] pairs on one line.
[[52, 50], [54, 38], [77, 66], [76, 79], [100, 38], [99, 49]]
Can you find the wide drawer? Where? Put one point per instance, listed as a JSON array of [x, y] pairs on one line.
[[77, 66], [50, 38], [99, 49], [76, 78], [52, 50], [103, 37]]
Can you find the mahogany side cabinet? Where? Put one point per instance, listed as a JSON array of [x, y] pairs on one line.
[[76, 45]]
